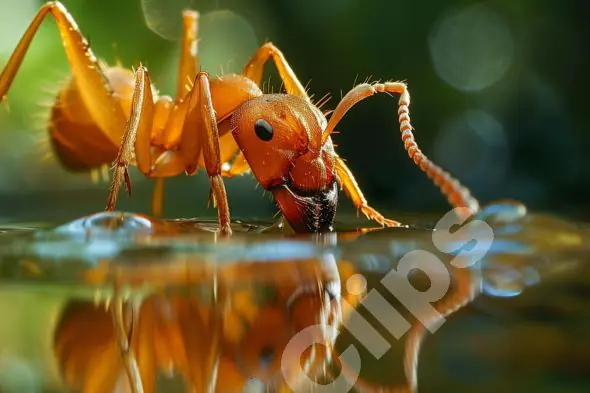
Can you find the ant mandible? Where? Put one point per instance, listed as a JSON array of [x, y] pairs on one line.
[[225, 124]]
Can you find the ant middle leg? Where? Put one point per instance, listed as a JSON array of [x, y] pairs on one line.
[[187, 71]]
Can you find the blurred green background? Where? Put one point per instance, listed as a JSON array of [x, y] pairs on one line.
[[499, 96]]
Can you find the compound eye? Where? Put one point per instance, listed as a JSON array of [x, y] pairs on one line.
[[263, 130]]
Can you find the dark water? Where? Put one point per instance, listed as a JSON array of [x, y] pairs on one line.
[[501, 303]]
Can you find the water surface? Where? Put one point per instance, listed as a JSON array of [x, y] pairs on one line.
[[207, 311]]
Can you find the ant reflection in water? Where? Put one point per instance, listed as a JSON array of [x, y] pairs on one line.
[[217, 338], [214, 338]]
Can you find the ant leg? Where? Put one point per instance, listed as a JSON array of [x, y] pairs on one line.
[[123, 320], [201, 117], [189, 59], [137, 137], [158, 197], [87, 349], [255, 67], [254, 70], [355, 194], [456, 193], [187, 70], [465, 291], [94, 87]]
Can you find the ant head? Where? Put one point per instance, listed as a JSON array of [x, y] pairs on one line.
[[272, 131], [276, 338]]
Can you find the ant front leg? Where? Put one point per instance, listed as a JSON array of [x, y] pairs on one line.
[[352, 189], [200, 134]]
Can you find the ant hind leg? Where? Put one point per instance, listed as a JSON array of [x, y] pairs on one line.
[[92, 84]]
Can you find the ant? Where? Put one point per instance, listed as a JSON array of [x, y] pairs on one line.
[[225, 124], [215, 341]]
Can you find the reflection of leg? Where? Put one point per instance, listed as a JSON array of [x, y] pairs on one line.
[[195, 356], [122, 316], [86, 349], [463, 294]]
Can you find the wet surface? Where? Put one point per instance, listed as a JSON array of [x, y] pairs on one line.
[[499, 302]]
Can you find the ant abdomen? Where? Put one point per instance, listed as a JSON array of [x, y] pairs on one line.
[[77, 139]]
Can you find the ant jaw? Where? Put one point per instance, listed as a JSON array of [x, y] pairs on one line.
[[307, 212]]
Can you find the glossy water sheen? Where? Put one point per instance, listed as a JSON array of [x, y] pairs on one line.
[[525, 326]]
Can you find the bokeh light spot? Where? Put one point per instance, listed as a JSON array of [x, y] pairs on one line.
[[474, 148], [17, 376], [471, 48], [227, 41], [13, 23], [356, 285], [165, 17]]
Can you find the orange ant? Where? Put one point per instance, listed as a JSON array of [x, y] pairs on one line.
[[215, 343], [225, 124]]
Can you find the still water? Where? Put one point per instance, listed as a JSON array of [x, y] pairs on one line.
[[501, 303]]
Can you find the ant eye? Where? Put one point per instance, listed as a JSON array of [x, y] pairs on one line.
[[263, 130]]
